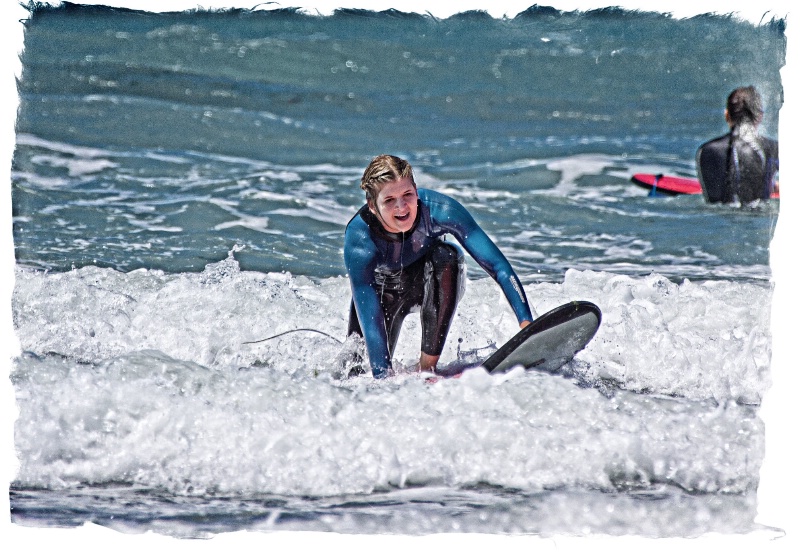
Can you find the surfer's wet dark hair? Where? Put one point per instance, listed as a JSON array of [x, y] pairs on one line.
[[382, 169], [744, 105], [743, 113]]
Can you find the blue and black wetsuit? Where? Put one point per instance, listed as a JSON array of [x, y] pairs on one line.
[[391, 274], [739, 166]]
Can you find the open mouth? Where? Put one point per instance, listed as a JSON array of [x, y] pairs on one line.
[[403, 218]]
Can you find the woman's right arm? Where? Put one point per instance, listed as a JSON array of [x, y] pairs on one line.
[[359, 259]]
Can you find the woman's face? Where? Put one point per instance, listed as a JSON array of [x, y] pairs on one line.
[[396, 205]]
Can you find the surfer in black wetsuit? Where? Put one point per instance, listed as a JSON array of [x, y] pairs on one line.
[[741, 166], [398, 261]]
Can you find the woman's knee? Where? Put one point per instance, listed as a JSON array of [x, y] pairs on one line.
[[444, 254], [448, 267]]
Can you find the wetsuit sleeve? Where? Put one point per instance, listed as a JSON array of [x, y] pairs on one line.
[[772, 166], [458, 221], [359, 259]]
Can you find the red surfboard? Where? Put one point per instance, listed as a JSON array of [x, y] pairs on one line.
[[664, 184], [671, 186]]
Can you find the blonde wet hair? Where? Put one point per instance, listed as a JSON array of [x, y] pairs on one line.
[[382, 169]]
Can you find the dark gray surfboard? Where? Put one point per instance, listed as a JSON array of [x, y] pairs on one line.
[[548, 343]]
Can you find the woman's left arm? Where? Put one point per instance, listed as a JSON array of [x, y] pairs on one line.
[[459, 222]]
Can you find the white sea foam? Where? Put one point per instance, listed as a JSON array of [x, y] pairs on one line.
[[700, 340], [152, 420], [152, 380], [144, 378]]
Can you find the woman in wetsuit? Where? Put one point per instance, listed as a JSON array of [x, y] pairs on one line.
[[741, 166], [397, 261]]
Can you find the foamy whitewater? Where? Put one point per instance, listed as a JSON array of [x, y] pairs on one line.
[[180, 187], [143, 380]]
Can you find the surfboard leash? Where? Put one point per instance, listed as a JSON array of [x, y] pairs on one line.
[[296, 330]]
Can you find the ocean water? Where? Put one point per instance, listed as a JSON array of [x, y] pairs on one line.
[[180, 186]]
